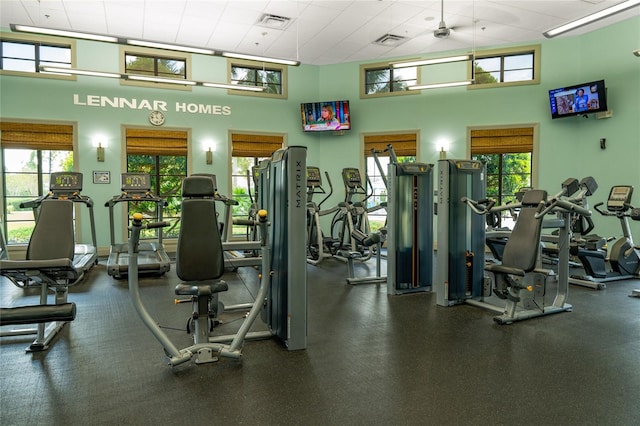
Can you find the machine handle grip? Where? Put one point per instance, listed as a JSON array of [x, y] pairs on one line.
[[481, 207], [563, 204]]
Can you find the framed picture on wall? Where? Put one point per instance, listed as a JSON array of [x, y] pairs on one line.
[[101, 177]]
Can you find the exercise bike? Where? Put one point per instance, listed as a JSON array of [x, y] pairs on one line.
[[623, 257]]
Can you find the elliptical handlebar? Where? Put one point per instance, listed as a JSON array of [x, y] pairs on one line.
[[326, 174]]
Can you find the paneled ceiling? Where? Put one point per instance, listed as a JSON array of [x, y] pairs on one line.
[[315, 32]]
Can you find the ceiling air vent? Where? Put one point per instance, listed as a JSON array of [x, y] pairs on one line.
[[274, 21], [390, 40]]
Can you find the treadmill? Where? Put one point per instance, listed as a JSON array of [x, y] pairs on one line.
[[68, 186], [152, 258]]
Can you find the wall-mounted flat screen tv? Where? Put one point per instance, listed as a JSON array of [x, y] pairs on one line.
[[328, 116], [579, 99]]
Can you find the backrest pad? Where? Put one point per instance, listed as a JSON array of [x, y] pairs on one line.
[[521, 250], [199, 253], [53, 235]]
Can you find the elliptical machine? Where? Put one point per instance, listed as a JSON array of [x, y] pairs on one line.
[[318, 246], [623, 257]]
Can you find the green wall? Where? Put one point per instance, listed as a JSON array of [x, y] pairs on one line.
[[567, 147]]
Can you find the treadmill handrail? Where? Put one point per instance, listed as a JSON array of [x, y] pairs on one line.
[[128, 196]]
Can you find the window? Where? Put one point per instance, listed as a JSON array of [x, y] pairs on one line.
[[155, 63], [383, 80], [273, 77], [507, 67], [247, 150], [163, 155], [156, 66], [404, 145], [508, 155], [26, 56], [30, 152]]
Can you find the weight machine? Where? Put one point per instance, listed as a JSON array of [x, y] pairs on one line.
[[519, 283], [50, 265], [409, 227], [282, 297]]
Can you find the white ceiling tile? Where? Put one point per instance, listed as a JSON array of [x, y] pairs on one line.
[[322, 31]]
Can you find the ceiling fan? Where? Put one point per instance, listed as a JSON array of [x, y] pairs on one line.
[[443, 31]]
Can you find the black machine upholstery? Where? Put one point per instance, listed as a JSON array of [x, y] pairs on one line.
[[52, 237], [50, 251], [48, 264], [521, 250], [199, 257]]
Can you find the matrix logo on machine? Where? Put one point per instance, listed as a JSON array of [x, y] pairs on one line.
[[298, 184]]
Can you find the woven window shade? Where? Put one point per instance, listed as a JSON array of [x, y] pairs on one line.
[[53, 137], [156, 142], [502, 141], [404, 144], [245, 145]]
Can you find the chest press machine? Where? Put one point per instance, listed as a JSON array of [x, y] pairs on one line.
[[50, 265], [282, 296]]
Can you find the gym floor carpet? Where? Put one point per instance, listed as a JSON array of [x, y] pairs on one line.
[[372, 359]]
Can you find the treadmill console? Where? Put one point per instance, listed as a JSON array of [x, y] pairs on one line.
[[136, 182], [619, 198], [65, 183]]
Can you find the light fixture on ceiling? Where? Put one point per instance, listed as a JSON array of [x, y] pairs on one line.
[[69, 71], [168, 46], [636, 52], [233, 87], [441, 85], [620, 7], [74, 71], [433, 61], [135, 42], [260, 58], [63, 33], [160, 79]]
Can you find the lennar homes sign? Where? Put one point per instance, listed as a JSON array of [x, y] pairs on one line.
[[147, 104]]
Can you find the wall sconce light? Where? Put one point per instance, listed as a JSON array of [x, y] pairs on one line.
[[100, 152], [443, 153], [209, 156]]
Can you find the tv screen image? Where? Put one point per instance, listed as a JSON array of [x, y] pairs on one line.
[[327, 116], [579, 99]]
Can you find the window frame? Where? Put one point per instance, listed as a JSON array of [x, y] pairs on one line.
[[157, 54], [502, 53], [40, 40], [19, 249], [284, 78], [171, 240], [231, 175], [380, 216], [364, 68], [535, 151]]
